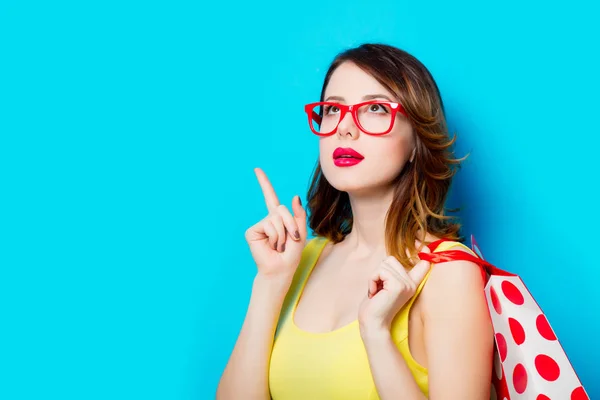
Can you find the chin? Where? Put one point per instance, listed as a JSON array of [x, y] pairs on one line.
[[355, 180], [349, 186]]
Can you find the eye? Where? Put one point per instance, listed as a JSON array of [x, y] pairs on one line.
[[378, 108], [330, 109]]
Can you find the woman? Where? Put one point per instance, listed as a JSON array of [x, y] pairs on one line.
[[328, 319]]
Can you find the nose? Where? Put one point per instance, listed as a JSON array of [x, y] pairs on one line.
[[347, 128]]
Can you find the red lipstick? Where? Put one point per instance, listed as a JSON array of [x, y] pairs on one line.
[[346, 157]]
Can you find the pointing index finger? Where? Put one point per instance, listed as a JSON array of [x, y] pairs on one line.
[[270, 197]]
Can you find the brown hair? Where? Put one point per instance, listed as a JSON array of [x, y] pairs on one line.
[[422, 186]]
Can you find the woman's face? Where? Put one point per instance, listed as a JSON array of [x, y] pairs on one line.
[[383, 157]]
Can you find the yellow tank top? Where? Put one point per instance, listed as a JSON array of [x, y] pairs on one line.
[[331, 365]]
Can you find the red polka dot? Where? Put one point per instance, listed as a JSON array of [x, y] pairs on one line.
[[512, 293], [495, 300], [542, 397], [579, 394], [547, 367], [520, 378], [501, 344], [544, 328], [517, 331]]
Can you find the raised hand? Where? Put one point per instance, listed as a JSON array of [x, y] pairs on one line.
[[276, 242], [389, 288]]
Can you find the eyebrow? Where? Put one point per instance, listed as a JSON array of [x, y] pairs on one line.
[[365, 98]]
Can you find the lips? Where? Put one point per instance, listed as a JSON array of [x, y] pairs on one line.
[[346, 157], [341, 152]]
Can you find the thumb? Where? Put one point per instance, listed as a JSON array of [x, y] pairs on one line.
[[299, 216], [418, 272]]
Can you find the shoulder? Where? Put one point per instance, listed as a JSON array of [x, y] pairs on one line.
[[453, 284]]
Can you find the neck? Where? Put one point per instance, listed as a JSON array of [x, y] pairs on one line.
[[368, 226]]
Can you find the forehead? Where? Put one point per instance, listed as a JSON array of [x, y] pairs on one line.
[[352, 83]]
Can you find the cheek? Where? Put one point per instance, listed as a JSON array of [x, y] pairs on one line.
[[396, 148], [326, 148]]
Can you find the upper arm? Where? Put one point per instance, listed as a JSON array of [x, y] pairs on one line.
[[458, 333]]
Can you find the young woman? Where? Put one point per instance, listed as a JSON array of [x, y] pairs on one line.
[[353, 313]]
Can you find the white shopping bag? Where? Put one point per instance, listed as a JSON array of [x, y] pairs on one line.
[[529, 362]]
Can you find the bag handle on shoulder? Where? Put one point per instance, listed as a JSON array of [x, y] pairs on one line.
[[458, 255]]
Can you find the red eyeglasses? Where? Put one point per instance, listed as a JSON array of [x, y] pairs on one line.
[[372, 117]]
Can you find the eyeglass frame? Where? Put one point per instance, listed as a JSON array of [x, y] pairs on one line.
[[353, 109]]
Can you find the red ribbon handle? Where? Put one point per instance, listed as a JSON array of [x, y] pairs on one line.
[[459, 255]]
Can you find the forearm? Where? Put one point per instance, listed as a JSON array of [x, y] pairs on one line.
[[393, 379], [246, 373]]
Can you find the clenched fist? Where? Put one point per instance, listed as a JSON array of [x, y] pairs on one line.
[[389, 289]]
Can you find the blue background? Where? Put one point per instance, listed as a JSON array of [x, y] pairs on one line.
[[129, 131]]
